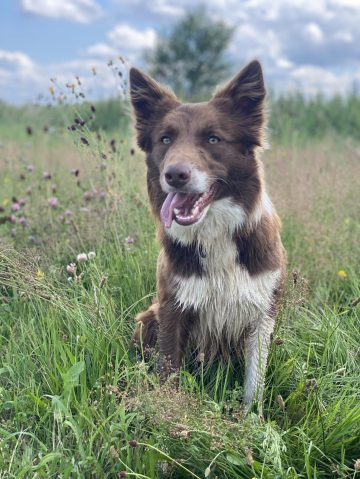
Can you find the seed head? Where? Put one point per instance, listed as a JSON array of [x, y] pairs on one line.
[[281, 401], [77, 121], [84, 140], [357, 465], [93, 108]]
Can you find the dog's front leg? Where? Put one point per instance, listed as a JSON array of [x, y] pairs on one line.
[[174, 331], [257, 348]]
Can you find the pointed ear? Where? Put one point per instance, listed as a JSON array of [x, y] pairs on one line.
[[151, 102], [244, 97]]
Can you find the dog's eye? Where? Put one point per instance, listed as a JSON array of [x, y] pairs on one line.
[[213, 140], [166, 140]]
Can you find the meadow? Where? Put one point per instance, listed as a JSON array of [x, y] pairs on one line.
[[76, 401]]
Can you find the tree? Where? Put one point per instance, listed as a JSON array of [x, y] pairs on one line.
[[190, 56]]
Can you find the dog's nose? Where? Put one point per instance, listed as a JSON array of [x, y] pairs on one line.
[[177, 175]]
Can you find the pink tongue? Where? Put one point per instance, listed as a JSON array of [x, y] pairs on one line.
[[173, 200]]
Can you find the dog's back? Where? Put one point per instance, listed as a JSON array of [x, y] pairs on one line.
[[222, 266]]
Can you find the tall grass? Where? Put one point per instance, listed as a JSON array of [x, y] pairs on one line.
[[75, 396]]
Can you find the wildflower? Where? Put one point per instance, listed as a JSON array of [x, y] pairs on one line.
[[29, 130], [7, 180], [68, 213], [133, 443], [342, 274], [73, 127], [85, 210], [13, 231], [132, 151], [15, 207], [357, 465], [103, 194], [103, 165], [30, 167], [82, 123], [61, 218], [29, 190], [46, 175], [129, 239], [40, 275], [92, 255], [81, 257], [71, 268], [5, 202], [84, 140], [53, 202], [22, 220], [74, 171], [69, 278], [112, 143], [13, 219], [77, 121], [110, 192], [95, 192], [347, 221], [87, 195], [52, 90], [93, 108], [54, 187], [103, 213], [21, 202], [67, 222], [122, 474]]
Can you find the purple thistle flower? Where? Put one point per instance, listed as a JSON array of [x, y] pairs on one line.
[[86, 210], [103, 166], [53, 202], [13, 219], [46, 175], [29, 190], [133, 443], [21, 202], [15, 207], [22, 219], [87, 196], [13, 231], [30, 168], [122, 474], [74, 171], [68, 213], [96, 192], [54, 187]]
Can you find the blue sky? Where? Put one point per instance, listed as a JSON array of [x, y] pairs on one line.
[[309, 44]]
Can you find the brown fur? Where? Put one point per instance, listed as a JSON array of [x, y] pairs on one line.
[[236, 115]]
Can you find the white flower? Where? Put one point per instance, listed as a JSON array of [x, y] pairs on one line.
[[69, 278], [81, 257], [92, 255], [71, 268]]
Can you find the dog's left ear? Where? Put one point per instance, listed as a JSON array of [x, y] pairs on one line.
[[151, 102], [245, 97]]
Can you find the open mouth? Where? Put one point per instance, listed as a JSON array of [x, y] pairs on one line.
[[186, 208]]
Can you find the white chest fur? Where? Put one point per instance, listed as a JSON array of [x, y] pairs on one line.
[[227, 298]]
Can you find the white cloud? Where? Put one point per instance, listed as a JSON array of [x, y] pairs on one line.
[[102, 50], [81, 11], [312, 79], [314, 32], [126, 37], [343, 36]]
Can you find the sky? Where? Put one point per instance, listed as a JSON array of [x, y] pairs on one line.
[[312, 45]]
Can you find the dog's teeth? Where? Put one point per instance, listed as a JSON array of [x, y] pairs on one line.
[[195, 211], [176, 211]]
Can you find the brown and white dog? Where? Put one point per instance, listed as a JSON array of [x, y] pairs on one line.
[[221, 269]]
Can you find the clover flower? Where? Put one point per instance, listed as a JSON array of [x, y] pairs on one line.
[[15, 207], [68, 213], [30, 167], [81, 257], [22, 220], [71, 268], [129, 240], [342, 274], [91, 255]]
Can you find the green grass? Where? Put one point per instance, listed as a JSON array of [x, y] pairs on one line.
[[74, 394]]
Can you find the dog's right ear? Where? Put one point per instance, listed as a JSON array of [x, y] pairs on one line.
[[151, 102]]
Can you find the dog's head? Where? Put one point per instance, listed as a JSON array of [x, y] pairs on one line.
[[202, 152]]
